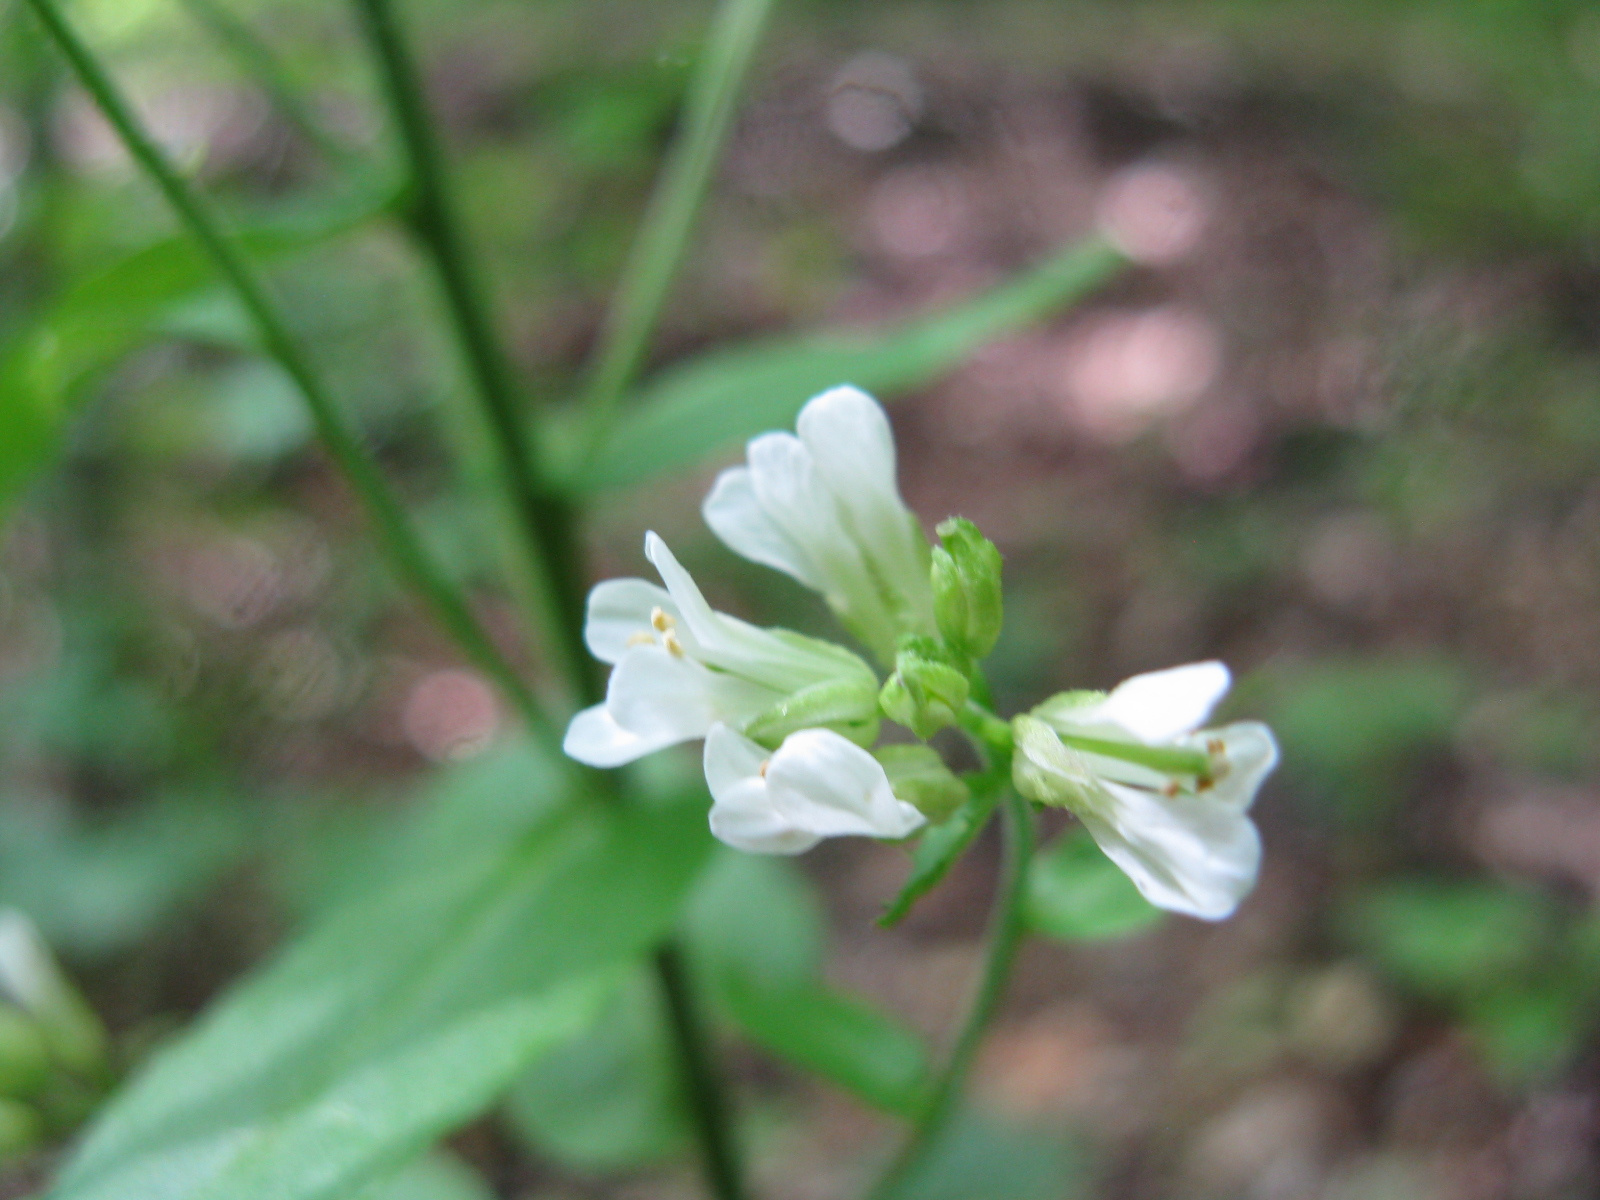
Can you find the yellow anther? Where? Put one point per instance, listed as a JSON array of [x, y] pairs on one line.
[[660, 621], [673, 645], [641, 639], [1170, 790], [762, 769]]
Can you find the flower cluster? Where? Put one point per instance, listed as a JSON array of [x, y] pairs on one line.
[[790, 722]]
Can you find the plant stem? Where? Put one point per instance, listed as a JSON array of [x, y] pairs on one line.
[[680, 191], [395, 533], [702, 1089], [551, 558], [1004, 935]]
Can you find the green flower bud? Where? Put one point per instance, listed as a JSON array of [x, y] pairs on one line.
[[20, 1129], [926, 691], [967, 602], [848, 706], [24, 1054], [919, 777]]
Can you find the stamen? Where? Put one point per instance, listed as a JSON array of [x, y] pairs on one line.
[[641, 639], [1170, 789], [762, 770], [660, 621], [671, 642]]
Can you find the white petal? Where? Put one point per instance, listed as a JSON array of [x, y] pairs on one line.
[[742, 812], [736, 515], [666, 698], [1251, 753], [852, 448], [595, 738], [619, 610], [700, 625], [851, 443], [829, 786], [1163, 705], [1188, 854]]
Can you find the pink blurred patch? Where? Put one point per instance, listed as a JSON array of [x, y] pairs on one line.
[[1153, 212], [450, 714], [1124, 371]]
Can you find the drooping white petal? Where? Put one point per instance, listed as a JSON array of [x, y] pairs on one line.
[[828, 785], [619, 613], [595, 738], [1189, 853], [742, 812], [1162, 705], [666, 697], [1249, 753], [735, 514]]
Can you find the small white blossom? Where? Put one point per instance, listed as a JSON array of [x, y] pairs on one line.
[[1166, 800], [680, 668], [816, 785], [824, 508]]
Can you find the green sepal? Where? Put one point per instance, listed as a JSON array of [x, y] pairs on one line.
[[919, 777], [967, 598], [847, 706]]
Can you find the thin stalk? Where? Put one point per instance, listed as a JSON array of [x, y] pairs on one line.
[[663, 237], [1003, 937], [395, 533], [702, 1089], [551, 559], [259, 62]]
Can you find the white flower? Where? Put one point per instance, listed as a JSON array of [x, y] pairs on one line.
[[681, 668], [1166, 800], [824, 507], [816, 785]]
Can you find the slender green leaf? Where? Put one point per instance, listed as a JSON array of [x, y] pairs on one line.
[[46, 368], [436, 1176], [755, 935], [496, 893], [1076, 893], [363, 1123], [698, 408], [609, 1099], [938, 850], [838, 1037]]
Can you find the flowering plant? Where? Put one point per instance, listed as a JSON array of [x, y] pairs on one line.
[[788, 721]]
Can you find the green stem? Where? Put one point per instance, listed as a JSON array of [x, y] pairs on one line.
[[702, 1089], [263, 66], [663, 237], [551, 559], [1003, 937], [398, 538]]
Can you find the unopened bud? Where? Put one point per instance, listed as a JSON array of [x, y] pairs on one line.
[[967, 600], [919, 777], [926, 691], [24, 1054]]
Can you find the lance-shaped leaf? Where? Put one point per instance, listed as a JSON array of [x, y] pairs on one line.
[[493, 897], [48, 367], [700, 407]]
